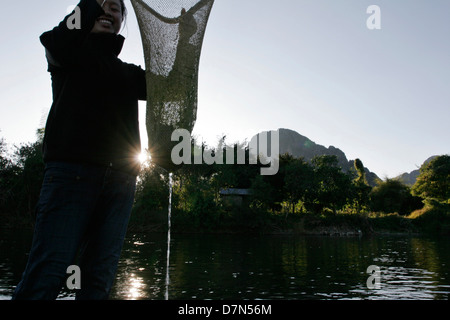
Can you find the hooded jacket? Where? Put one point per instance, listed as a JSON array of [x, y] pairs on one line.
[[94, 115]]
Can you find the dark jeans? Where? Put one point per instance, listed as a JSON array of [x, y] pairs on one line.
[[83, 214]]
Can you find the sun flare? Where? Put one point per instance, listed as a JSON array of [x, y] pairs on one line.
[[143, 157]]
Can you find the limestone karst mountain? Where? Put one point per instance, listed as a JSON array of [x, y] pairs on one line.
[[409, 178], [297, 145]]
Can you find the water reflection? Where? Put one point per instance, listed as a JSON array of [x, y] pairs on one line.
[[266, 267], [141, 269], [238, 267]]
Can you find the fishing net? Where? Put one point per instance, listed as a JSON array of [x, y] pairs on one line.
[[172, 35]]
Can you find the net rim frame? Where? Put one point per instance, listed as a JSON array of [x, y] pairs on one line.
[[200, 4]]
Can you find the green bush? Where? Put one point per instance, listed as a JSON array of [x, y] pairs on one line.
[[433, 219]]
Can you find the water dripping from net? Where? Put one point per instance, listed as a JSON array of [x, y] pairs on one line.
[[169, 218]]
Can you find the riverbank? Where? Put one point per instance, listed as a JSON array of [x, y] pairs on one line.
[[427, 221]]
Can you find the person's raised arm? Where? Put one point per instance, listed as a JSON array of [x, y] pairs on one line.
[[63, 41]]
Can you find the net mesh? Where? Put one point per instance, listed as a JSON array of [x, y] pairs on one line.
[[172, 35]]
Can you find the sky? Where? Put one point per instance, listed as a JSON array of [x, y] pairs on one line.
[[312, 66]]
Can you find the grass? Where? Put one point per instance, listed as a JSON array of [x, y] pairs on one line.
[[433, 218]]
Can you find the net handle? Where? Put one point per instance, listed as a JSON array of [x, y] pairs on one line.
[[176, 20]]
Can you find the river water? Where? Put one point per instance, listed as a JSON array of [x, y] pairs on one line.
[[264, 267]]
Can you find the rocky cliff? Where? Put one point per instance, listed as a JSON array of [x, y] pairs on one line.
[[294, 143]]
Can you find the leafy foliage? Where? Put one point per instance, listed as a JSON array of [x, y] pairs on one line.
[[392, 196], [434, 180], [300, 189], [21, 176]]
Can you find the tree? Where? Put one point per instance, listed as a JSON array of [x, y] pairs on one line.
[[333, 185], [392, 196], [261, 193], [361, 187], [433, 182], [21, 178], [299, 182], [361, 178], [197, 191], [3, 154], [152, 190], [29, 159], [7, 177]]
